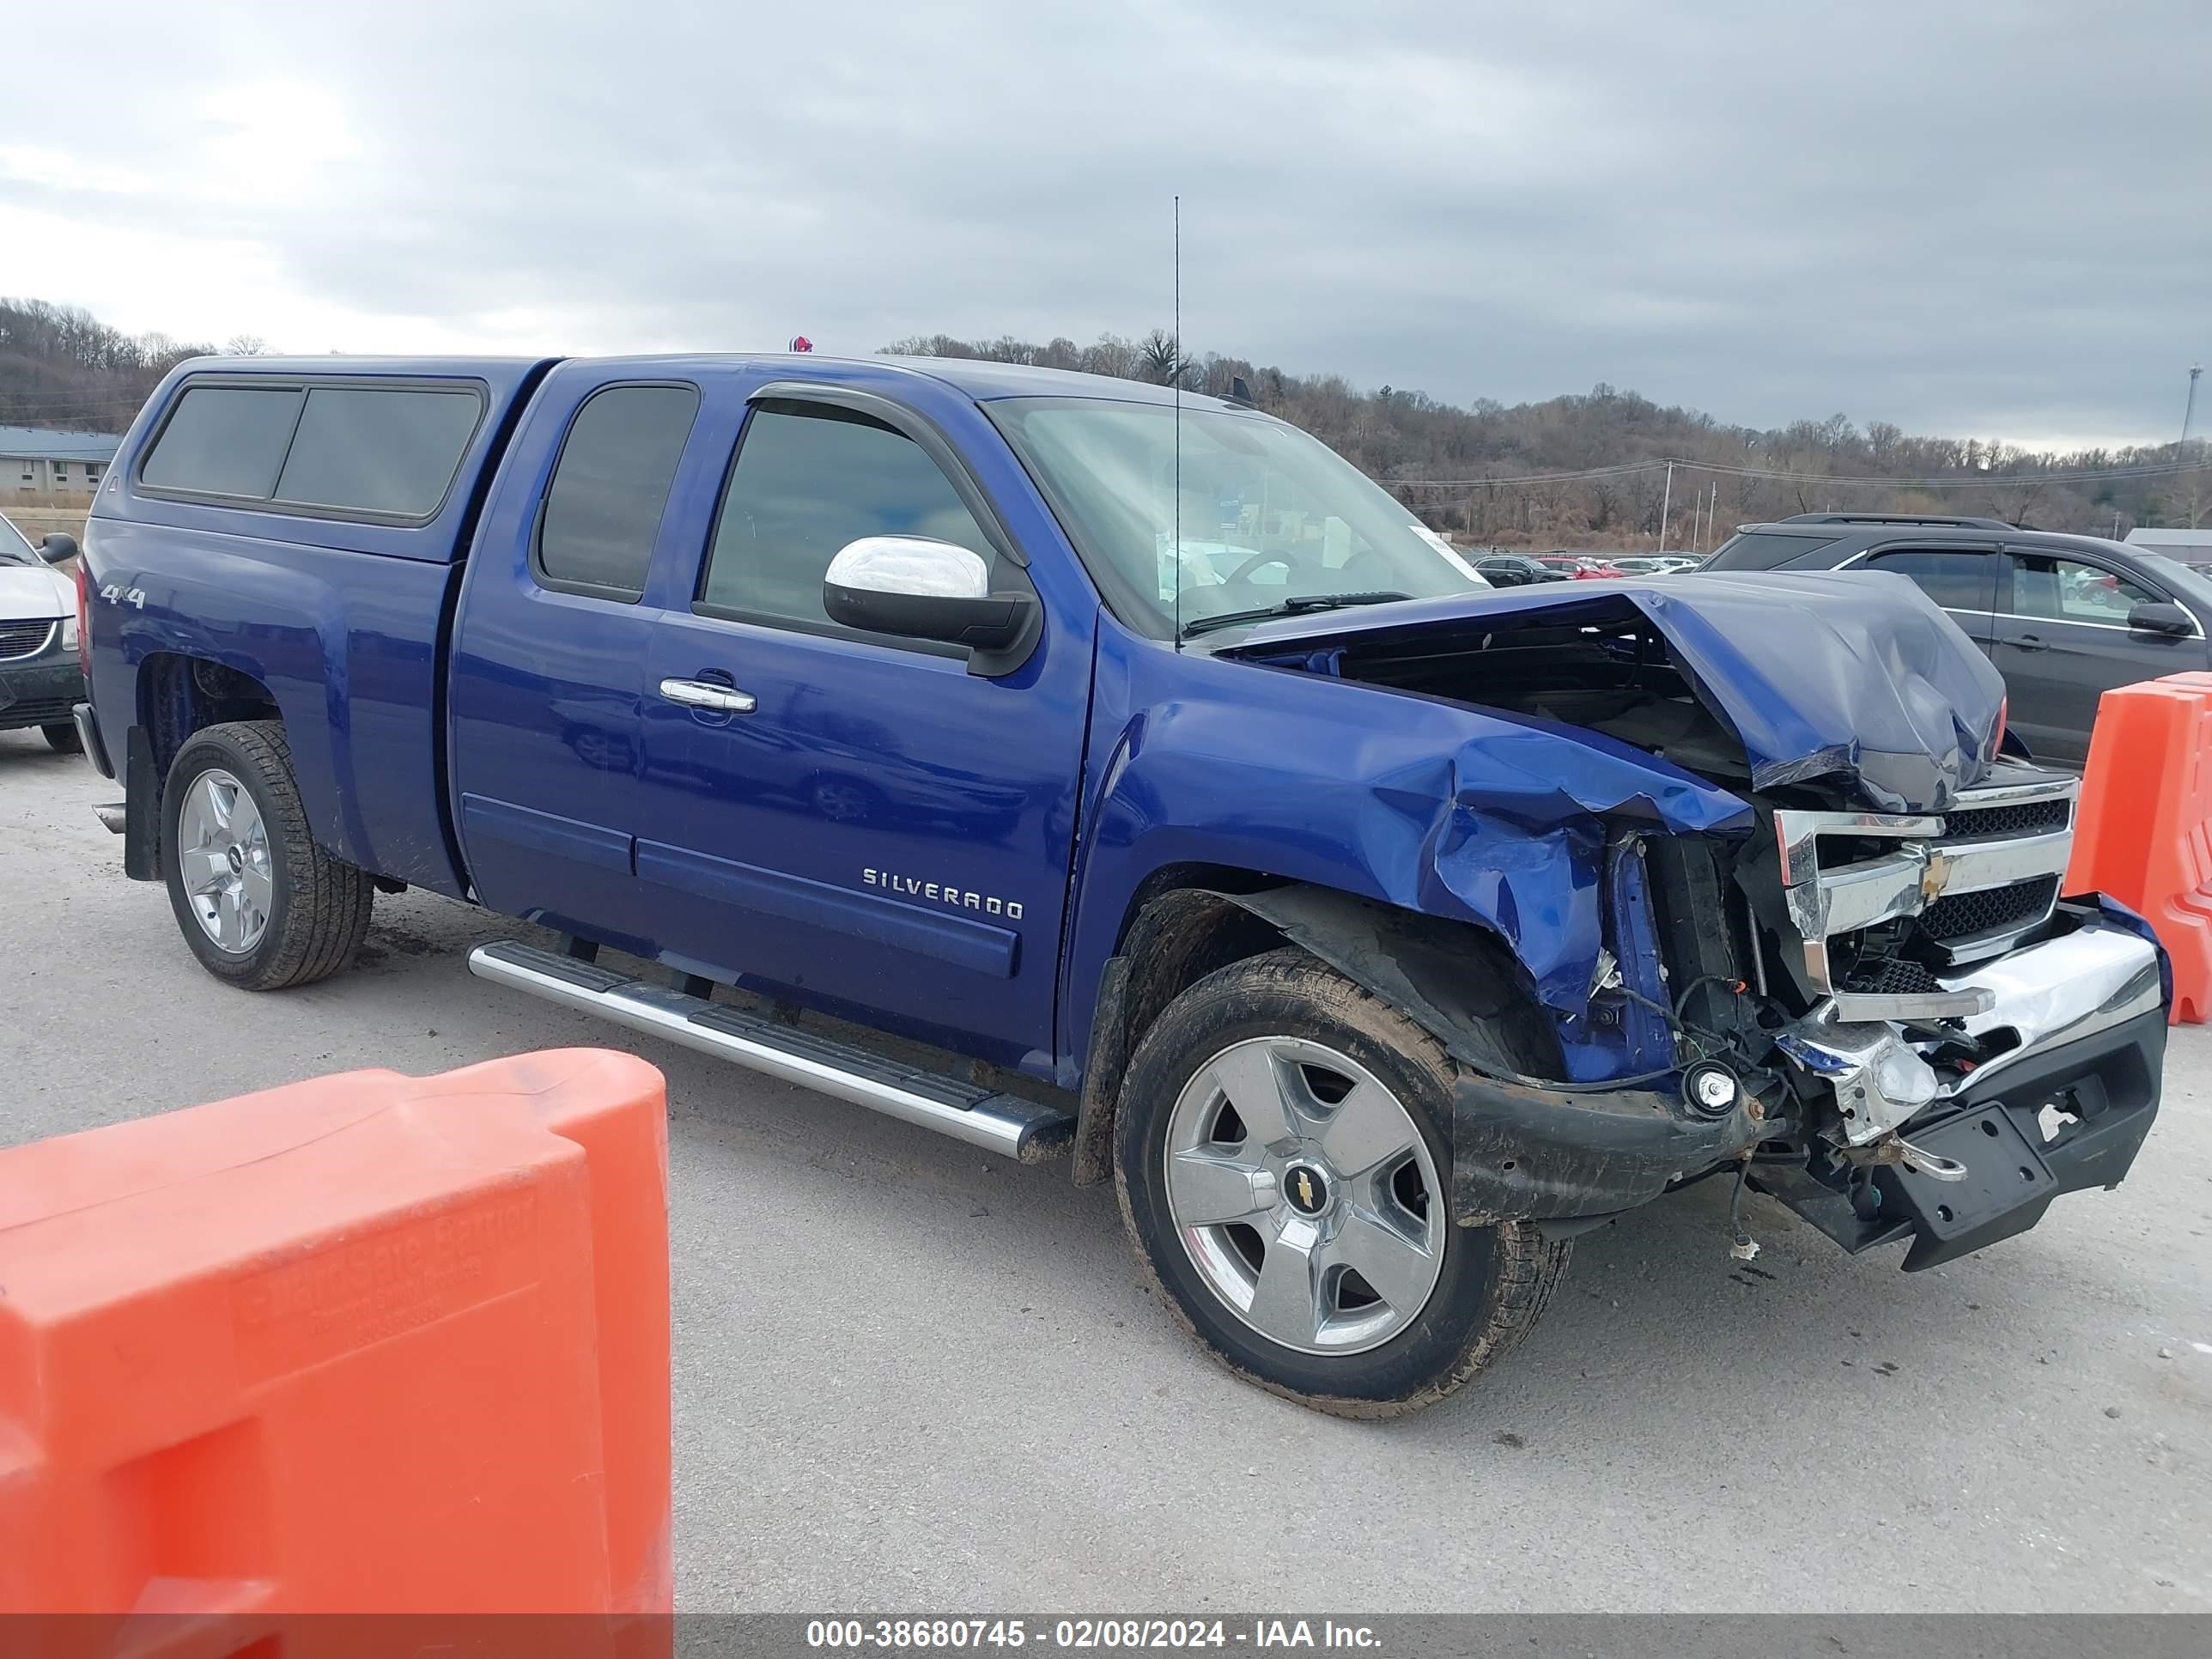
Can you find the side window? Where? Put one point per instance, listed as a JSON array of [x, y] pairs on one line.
[[372, 451], [603, 507], [1765, 551], [809, 479], [224, 440], [369, 450], [2069, 590], [1956, 580]]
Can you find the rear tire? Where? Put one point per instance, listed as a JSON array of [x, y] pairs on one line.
[[261, 905], [1389, 1306], [63, 740]]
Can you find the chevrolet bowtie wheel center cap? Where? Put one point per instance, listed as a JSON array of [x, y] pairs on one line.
[[1306, 1188]]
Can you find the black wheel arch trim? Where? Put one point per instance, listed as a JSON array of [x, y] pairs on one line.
[[1519, 1150]]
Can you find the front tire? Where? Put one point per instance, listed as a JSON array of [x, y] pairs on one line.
[[63, 739], [260, 904], [1283, 1167]]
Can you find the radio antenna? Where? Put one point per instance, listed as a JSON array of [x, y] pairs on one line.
[[1174, 553]]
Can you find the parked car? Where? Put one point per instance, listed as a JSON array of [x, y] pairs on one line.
[[2065, 618], [1515, 570], [41, 679], [1577, 567], [1373, 932], [1655, 564]]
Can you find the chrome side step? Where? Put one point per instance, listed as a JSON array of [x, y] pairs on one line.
[[983, 1117]]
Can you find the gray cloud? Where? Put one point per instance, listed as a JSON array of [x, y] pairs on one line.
[[1971, 219]]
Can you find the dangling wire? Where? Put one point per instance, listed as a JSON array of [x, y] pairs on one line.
[[1741, 1245]]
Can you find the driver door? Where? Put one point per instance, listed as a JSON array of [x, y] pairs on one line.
[[867, 826]]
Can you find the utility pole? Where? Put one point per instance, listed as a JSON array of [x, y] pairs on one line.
[[1666, 503], [2188, 410], [1712, 516]]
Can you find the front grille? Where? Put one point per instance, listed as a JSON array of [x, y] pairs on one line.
[[1967, 915], [1856, 886], [24, 639], [49, 711], [2027, 818]]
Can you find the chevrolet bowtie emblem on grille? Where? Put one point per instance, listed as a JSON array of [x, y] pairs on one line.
[[1937, 875]]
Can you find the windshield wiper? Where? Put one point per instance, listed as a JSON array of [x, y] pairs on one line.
[[1297, 604]]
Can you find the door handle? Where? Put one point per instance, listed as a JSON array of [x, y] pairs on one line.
[[2030, 642], [702, 693]]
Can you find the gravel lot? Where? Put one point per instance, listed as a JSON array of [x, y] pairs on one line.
[[908, 1374]]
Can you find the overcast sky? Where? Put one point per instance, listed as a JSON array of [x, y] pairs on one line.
[[1989, 220]]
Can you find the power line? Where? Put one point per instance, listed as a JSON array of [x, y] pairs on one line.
[[1986, 481], [2141, 470], [1619, 470]]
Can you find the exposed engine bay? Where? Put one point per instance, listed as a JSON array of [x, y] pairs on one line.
[[1878, 968]]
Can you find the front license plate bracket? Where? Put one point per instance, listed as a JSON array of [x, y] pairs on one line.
[[2007, 1186]]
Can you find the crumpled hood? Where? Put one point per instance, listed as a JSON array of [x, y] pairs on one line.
[[1819, 674]]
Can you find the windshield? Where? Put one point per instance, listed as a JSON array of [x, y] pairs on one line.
[[1268, 513], [15, 546]]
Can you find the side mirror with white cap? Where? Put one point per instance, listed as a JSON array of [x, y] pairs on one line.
[[921, 589]]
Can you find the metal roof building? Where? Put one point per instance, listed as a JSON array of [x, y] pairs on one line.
[[2189, 546], [40, 459]]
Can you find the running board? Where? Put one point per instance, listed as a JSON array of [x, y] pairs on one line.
[[983, 1117]]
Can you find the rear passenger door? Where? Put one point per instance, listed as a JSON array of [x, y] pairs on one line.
[[1962, 579], [2062, 640], [550, 651]]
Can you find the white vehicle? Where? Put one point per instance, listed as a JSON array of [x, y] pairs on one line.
[[41, 681]]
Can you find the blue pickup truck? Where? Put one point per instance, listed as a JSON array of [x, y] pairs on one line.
[[1080, 769]]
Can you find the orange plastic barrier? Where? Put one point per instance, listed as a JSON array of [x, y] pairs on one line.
[[2144, 833], [369, 1343]]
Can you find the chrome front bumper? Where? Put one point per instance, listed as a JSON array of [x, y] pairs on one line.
[[2085, 983], [2060, 991], [2064, 1109]]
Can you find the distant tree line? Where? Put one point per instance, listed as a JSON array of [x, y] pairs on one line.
[[61, 366], [1407, 439]]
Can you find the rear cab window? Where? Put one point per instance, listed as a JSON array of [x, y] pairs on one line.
[[610, 488], [377, 451]]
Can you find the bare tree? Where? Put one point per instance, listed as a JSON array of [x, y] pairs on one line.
[[1162, 359]]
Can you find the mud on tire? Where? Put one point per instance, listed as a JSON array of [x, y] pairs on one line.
[[1484, 1288]]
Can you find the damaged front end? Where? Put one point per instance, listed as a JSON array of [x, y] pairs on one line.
[[1861, 993], [1982, 1047]]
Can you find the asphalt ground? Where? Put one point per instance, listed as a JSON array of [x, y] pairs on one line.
[[909, 1375]]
